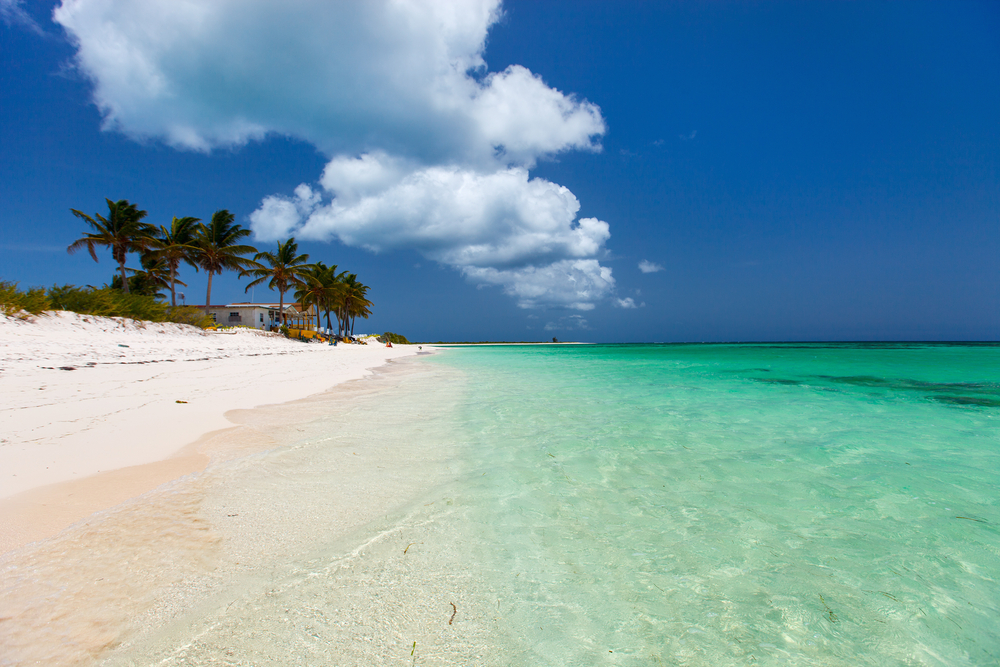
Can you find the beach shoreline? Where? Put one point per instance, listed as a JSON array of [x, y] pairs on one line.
[[284, 479], [89, 398]]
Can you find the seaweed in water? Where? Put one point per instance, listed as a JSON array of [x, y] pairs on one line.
[[969, 400], [829, 612]]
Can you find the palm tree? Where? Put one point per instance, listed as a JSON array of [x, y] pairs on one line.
[[150, 279], [360, 307], [323, 289], [219, 248], [174, 245], [314, 292], [353, 302], [123, 231], [285, 269]]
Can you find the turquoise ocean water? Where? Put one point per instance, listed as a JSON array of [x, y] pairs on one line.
[[796, 504], [733, 504]]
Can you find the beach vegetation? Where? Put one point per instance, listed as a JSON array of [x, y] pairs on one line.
[[353, 303], [173, 245], [394, 338], [112, 302], [189, 315], [150, 280], [220, 248], [282, 270], [323, 290], [123, 231], [104, 301], [18, 303]]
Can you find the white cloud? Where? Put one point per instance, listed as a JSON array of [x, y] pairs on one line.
[[574, 284], [628, 302], [278, 217], [523, 229], [349, 77], [427, 149], [13, 14], [649, 267]]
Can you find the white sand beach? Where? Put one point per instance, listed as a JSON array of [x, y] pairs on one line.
[[99, 410], [123, 509]]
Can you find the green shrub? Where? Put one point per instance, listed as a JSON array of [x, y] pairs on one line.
[[13, 301], [394, 338], [189, 315], [284, 330], [110, 302], [140, 283], [106, 302]]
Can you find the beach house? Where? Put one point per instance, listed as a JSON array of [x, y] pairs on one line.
[[256, 315]]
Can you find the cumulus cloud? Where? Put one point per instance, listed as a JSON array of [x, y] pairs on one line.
[[575, 284], [649, 267], [347, 76], [428, 150]]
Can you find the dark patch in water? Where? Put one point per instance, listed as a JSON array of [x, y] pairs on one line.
[[981, 394], [969, 400], [903, 383], [915, 345], [975, 394], [862, 381]]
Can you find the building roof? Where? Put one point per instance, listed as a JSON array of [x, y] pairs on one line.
[[247, 304]]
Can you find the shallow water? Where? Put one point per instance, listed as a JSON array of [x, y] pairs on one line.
[[715, 505], [620, 505], [206, 569]]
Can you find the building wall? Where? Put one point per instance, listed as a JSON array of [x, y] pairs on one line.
[[257, 317]]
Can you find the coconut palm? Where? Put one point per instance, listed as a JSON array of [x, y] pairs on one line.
[[353, 302], [176, 244], [320, 287], [219, 248], [123, 231], [285, 269], [150, 279], [360, 307]]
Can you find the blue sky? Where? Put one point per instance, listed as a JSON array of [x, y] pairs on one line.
[[783, 171]]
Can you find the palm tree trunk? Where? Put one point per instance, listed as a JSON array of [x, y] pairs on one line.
[[121, 267], [208, 296], [173, 297], [281, 306]]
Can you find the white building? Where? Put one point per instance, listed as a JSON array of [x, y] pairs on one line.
[[255, 315]]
